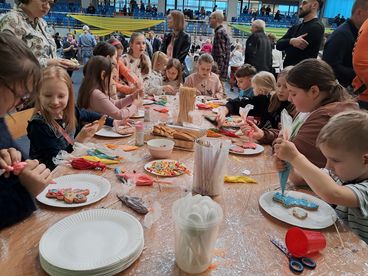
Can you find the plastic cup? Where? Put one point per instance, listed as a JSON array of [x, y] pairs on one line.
[[194, 242], [301, 243]]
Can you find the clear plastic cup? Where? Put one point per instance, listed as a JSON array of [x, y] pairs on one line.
[[301, 243], [194, 242]]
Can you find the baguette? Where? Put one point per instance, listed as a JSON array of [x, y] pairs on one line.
[[183, 136]]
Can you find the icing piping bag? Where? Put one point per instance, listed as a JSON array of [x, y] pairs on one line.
[[283, 176]]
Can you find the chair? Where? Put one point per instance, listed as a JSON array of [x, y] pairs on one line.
[[17, 122]]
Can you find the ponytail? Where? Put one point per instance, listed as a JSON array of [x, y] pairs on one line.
[[317, 72], [337, 93]]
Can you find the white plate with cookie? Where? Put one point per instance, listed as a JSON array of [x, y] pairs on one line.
[[98, 187], [321, 218], [109, 132], [235, 149]]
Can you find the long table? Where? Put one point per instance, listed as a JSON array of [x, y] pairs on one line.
[[242, 247]]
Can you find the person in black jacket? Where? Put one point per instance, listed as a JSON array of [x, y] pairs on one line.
[[258, 51], [340, 44], [177, 43], [20, 74], [155, 42], [302, 41]]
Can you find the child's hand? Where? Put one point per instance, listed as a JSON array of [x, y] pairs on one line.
[[137, 103], [117, 123], [221, 116], [138, 93], [169, 89], [67, 64], [35, 177], [7, 158], [138, 84], [132, 89], [87, 132], [279, 164], [249, 127], [285, 150]]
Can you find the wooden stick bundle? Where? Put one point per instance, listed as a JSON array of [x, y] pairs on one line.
[[187, 96], [210, 164]]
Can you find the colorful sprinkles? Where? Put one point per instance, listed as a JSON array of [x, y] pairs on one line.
[[167, 168]]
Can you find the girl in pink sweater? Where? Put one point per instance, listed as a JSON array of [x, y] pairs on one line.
[[94, 92], [206, 82]]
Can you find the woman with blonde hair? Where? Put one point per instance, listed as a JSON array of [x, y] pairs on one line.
[[177, 43]]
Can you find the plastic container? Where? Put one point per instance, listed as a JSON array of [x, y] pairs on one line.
[[160, 148], [195, 242], [301, 243], [210, 166], [139, 134], [147, 114]]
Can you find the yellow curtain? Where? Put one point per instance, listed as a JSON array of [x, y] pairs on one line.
[[103, 32], [116, 23]]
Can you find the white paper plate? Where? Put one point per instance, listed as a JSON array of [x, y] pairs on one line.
[[147, 102], [257, 150], [98, 187], [107, 270], [109, 132], [91, 240], [323, 217], [139, 114], [149, 164]]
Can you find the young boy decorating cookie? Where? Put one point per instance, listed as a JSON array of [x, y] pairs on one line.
[[343, 141]]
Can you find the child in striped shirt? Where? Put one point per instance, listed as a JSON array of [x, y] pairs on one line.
[[343, 141]]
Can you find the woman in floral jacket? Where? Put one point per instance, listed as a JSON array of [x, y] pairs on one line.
[[26, 23]]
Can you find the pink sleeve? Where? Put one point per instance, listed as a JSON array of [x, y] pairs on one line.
[[117, 110]]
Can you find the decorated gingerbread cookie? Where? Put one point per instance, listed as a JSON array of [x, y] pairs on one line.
[[69, 195], [289, 202]]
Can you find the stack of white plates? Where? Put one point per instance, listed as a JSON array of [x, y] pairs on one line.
[[94, 242]]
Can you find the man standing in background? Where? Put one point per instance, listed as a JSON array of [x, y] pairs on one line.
[[155, 42], [221, 44], [303, 40], [340, 44], [258, 51]]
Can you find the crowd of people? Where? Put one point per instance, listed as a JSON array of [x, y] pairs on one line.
[[328, 129]]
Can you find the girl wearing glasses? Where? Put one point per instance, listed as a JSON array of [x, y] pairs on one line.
[[19, 72], [26, 23]]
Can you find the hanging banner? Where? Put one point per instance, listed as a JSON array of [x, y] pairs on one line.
[[103, 32], [116, 23]]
